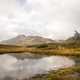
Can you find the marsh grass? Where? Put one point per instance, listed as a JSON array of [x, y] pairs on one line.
[[72, 73], [42, 50]]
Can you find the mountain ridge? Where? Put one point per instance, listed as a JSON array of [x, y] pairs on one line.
[[27, 40]]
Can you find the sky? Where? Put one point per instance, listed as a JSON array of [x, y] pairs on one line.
[[55, 19]]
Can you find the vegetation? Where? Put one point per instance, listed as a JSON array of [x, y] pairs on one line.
[[62, 74], [43, 49], [11, 49]]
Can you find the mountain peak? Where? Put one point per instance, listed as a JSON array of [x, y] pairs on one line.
[[22, 35], [75, 38], [77, 35]]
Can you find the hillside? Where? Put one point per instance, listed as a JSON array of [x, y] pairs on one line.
[[27, 40], [75, 38]]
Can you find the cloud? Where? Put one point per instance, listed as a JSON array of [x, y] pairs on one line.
[[56, 19]]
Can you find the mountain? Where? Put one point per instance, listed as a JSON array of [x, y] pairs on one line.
[[27, 40], [14, 41], [75, 38]]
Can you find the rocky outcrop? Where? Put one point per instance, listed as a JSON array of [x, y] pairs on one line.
[[77, 35], [75, 38]]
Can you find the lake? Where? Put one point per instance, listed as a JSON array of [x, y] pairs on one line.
[[27, 65]]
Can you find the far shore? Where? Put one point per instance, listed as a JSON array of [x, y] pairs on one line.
[[42, 51]]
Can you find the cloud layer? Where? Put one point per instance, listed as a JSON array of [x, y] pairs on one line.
[[55, 19]]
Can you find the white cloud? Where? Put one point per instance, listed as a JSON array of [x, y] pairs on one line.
[[51, 18]]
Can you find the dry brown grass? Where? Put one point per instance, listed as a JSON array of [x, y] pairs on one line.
[[42, 51]]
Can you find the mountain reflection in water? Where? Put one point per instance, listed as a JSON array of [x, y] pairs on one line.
[[11, 66]]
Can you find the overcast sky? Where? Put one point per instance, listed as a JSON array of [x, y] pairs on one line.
[[56, 19]]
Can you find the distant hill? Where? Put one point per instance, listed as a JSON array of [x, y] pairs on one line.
[[27, 40], [74, 41], [75, 38]]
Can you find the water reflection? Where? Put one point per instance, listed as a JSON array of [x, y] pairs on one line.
[[26, 68]]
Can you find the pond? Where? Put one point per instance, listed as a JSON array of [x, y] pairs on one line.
[[27, 65]]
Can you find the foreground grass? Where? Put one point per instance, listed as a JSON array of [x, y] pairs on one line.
[[62, 74]]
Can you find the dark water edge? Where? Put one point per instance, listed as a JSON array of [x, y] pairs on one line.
[[27, 55], [76, 59]]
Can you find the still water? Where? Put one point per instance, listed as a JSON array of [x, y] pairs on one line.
[[28, 65]]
